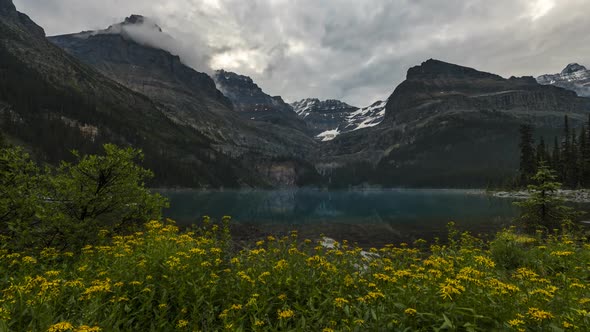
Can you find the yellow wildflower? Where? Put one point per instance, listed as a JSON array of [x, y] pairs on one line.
[[340, 302], [281, 265], [86, 328], [485, 261], [29, 260], [61, 326], [515, 322], [538, 314], [285, 314], [410, 311], [450, 288], [4, 314]]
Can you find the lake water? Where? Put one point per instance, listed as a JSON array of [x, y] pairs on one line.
[[367, 217]]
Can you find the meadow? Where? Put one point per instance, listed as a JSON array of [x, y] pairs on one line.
[[163, 279]]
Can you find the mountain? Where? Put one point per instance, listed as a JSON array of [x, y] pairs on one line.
[[449, 125], [330, 118], [126, 53], [254, 104], [573, 77], [52, 103]]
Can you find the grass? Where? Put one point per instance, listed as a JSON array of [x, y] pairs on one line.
[[161, 279]]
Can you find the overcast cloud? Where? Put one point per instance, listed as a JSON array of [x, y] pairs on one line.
[[352, 50]]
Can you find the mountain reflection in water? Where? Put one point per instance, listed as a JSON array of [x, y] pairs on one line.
[[367, 217]]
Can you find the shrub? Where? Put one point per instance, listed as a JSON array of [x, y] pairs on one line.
[[64, 208]]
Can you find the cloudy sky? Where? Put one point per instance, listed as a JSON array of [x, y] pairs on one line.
[[353, 50]]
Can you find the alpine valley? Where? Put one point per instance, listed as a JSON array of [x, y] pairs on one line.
[[445, 126]]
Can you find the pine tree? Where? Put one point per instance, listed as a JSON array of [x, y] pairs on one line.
[[544, 209], [585, 169], [573, 170], [565, 151], [541, 151], [527, 154], [582, 150], [556, 157]]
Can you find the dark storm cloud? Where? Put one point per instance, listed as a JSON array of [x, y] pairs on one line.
[[357, 51]]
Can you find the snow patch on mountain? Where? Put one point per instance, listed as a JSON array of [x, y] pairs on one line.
[[573, 77], [366, 117], [332, 117], [328, 135]]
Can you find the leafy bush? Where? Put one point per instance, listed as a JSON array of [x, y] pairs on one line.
[[22, 188], [64, 208]]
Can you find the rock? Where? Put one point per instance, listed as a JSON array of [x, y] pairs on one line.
[[573, 77]]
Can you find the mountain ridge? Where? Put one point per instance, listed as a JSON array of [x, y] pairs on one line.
[[574, 77]]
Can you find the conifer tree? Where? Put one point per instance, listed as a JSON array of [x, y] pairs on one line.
[[565, 151], [544, 209], [585, 152], [541, 151], [555, 156], [527, 153], [573, 170]]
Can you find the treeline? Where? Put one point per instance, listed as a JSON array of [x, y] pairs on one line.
[[568, 155]]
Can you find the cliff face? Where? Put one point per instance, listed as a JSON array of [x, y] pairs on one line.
[[190, 97], [436, 87], [323, 116], [252, 103], [113, 89], [448, 125], [329, 118]]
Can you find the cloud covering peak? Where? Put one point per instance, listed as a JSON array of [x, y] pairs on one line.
[[356, 51]]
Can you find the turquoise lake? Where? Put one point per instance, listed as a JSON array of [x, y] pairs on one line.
[[367, 217]]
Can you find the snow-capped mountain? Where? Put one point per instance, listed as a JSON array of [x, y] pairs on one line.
[[574, 77], [331, 118]]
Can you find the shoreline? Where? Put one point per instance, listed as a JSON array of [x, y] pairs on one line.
[[569, 195]]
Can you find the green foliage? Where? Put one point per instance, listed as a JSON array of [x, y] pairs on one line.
[[527, 153], [65, 207], [544, 209], [22, 189], [509, 249], [161, 279], [570, 156], [101, 192]]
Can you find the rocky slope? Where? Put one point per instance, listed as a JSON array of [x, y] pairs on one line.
[[573, 77], [448, 125], [190, 97], [330, 118], [53, 103], [254, 104]]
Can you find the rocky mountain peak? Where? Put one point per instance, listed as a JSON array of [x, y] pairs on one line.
[[7, 7], [574, 77], [9, 13], [133, 21], [231, 78], [433, 69], [572, 68]]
